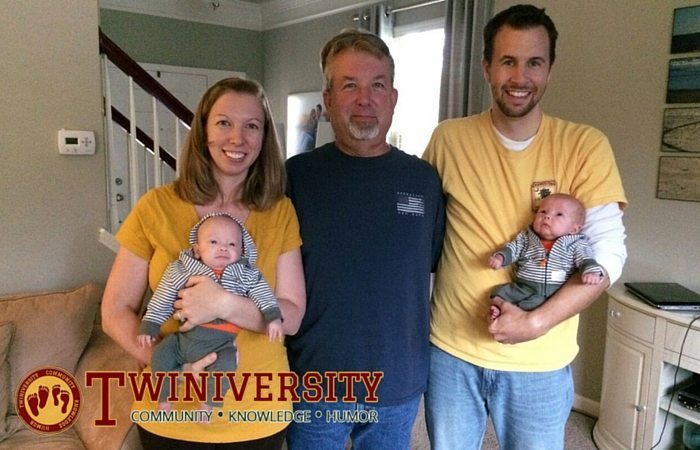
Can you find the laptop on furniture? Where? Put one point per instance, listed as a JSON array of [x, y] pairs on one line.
[[665, 295]]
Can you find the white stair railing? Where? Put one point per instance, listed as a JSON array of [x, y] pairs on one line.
[[136, 160]]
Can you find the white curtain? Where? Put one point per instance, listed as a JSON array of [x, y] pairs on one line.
[[463, 90]]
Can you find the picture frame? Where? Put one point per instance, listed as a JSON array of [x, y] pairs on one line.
[[683, 80], [685, 37], [307, 123], [681, 130], [679, 178]]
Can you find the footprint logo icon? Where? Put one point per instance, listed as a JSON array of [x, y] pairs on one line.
[[55, 390], [65, 398], [43, 395], [33, 402], [37, 401], [48, 400]]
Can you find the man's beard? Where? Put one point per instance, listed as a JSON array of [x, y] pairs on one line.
[[363, 132], [520, 111], [514, 113]]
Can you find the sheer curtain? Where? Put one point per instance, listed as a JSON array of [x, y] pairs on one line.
[[463, 89]]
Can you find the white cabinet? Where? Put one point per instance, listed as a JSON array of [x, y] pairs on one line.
[[642, 371], [625, 391]]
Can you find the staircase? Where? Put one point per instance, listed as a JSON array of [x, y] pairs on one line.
[[137, 157]]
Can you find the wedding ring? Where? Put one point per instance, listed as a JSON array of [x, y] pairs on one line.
[[178, 315]]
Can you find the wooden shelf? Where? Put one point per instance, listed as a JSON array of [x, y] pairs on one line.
[[679, 410]]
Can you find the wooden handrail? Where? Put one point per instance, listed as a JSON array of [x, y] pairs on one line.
[[143, 137], [144, 79]]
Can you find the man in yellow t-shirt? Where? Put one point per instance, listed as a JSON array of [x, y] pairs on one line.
[[496, 167]]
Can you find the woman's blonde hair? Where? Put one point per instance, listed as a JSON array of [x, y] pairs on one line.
[[265, 181]]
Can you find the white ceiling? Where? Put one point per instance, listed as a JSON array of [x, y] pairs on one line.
[[256, 15]]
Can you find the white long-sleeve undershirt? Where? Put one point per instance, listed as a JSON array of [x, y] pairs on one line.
[[606, 233]]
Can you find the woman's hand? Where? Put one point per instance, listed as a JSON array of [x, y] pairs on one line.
[[203, 300], [200, 301]]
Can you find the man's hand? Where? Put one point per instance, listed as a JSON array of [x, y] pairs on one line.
[[513, 325]]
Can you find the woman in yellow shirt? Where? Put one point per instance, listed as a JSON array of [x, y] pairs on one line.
[[231, 163]]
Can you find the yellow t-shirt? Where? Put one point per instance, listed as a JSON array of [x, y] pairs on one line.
[[491, 194], [156, 230]]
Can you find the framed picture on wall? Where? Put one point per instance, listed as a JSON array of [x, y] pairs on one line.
[[307, 122], [683, 80], [679, 178], [681, 130], [686, 30]]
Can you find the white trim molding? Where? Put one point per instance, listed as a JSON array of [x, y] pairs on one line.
[[228, 13], [260, 16], [586, 406], [280, 13]]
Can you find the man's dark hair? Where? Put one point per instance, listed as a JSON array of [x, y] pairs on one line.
[[520, 17]]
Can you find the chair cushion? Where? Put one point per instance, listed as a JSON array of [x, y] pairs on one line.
[[50, 329], [27, 439], [104, 355], [6, 330]]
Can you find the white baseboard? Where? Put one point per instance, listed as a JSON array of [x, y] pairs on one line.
[[586, 406]]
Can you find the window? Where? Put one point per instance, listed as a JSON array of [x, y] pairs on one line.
[[418, 59]]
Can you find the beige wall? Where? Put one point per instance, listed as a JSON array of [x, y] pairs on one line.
[[611, 72], [51, 206]]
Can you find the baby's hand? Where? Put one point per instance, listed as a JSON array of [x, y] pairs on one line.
[[592, 278], [274, 331], [145, 340], [496, 261]]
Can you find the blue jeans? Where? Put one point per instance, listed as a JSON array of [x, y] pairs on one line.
[[528, 409], [370, 427]]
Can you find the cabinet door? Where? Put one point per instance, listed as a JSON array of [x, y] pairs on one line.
[[625, 390]]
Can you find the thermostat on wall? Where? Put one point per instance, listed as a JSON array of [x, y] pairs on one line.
[[72, 142]]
